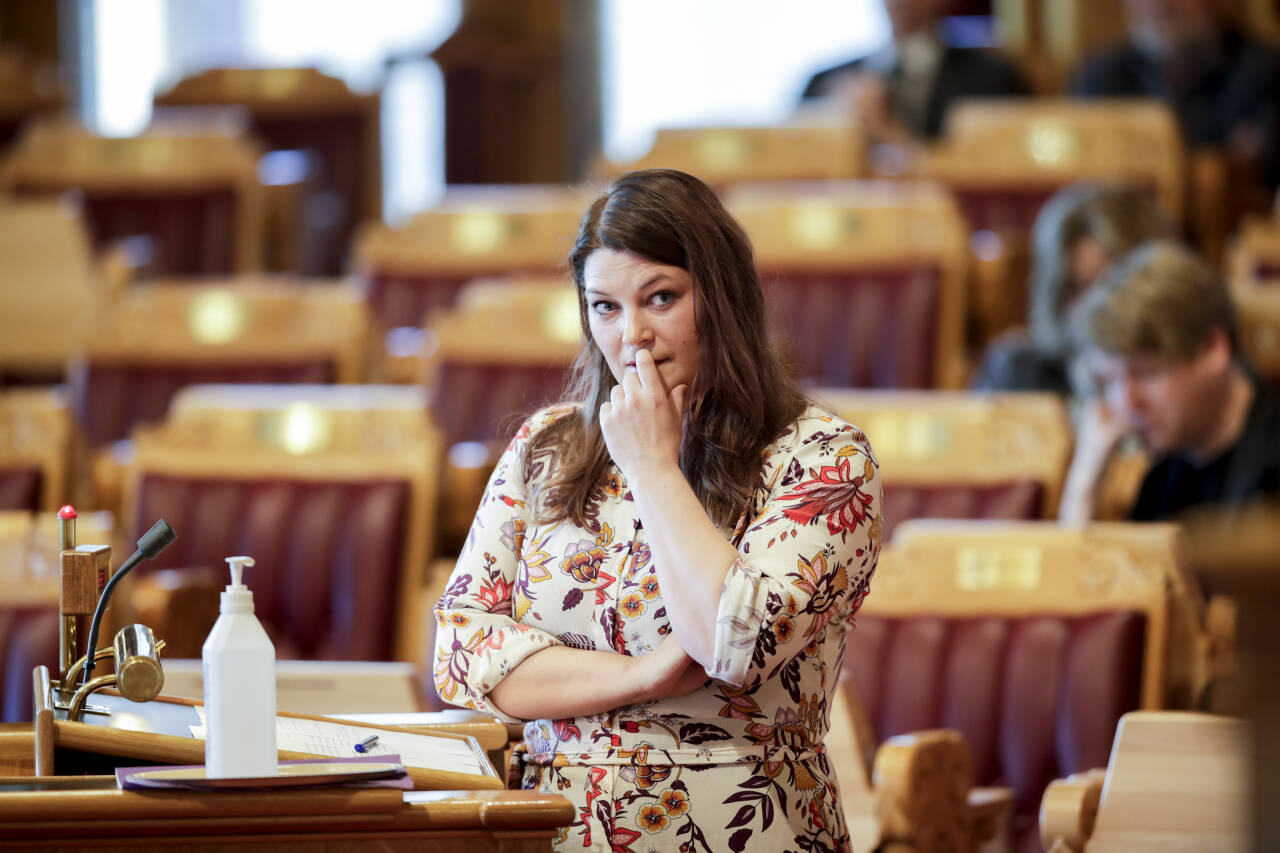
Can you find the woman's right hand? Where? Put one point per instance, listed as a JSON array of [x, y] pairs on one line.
[[669, 671]]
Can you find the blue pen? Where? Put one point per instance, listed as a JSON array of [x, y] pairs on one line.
[[364, 745]]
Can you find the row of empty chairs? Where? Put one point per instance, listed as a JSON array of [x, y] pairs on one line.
[[1001, 160], [507, 347], [832, 255]]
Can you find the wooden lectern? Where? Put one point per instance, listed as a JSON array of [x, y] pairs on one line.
[[90, 812]]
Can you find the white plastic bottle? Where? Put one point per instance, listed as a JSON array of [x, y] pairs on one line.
[[239, 687]]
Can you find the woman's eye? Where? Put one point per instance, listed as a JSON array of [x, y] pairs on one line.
[[663, 297], [602, 306]]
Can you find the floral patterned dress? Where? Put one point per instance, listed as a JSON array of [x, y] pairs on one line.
[[739, 763]]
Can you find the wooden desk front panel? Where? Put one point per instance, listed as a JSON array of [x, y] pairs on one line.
[[323, 821]]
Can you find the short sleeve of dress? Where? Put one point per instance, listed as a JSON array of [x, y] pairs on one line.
[[806, 558], [479, 640]]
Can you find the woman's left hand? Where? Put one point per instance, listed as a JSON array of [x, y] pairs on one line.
[[642, 420]]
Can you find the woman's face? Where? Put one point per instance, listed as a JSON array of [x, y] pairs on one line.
[[635, 304]]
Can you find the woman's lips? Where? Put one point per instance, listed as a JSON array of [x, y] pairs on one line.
[[656, 362]]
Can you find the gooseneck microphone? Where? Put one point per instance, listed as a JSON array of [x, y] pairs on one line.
[[155, 540]]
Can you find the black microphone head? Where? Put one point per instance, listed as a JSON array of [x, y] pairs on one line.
[[155, 540]]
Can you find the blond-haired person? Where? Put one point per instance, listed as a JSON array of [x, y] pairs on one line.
[[1158, 338]]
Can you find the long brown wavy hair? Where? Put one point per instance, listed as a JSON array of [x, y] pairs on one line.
[[741, 399]]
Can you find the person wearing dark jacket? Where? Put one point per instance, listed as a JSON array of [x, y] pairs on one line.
[[1223, 85], [903, 90]]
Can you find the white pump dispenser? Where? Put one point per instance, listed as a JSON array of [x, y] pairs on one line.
[[239, 687]]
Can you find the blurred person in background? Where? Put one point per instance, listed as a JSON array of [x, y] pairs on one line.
[[1223, 85], [1158, 336], [1081, 231], [903, 90]]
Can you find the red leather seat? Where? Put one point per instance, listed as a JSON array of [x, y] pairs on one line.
[[863, 329], [1017, 500], [329, 554], [1028, 638], [20, 488], [28, 638], [487, 402], [474, 232], [330, 488], [110, 398], [403, 299], [864, 280], [1005, 209], [1036, 698], [304, 110], [192, 233]]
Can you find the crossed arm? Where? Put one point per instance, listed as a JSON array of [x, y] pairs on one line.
[[641, 424]]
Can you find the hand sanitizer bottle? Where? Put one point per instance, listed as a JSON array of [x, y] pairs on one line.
[[239, 687]]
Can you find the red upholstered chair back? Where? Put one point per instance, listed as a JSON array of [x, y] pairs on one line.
[[486, 403], [111, 398], [1030, 639], [961, 454], [1009, 151], [1036, 697], [864, 281], [159, 338], [20, 488], [302, 109], [28, 638], [865, 329], [197, 197], [404, 298], [475, 232], [330, 488], [191, 233], [329, 553], [35, 443], [506, 349]]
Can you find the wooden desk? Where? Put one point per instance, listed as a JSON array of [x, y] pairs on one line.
[[162, 731], [90, 813]]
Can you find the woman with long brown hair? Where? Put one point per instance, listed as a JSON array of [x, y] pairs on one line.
[[662, 571]]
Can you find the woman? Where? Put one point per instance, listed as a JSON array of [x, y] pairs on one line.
[[1080, 232], [661, 573]]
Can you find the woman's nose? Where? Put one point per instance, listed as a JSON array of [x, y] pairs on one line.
[[637, 330]]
